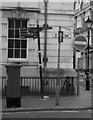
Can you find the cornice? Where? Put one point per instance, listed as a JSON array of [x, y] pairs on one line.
[[3, 8], [59, 12]]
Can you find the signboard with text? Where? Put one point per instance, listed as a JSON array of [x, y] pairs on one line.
[[80, 43]]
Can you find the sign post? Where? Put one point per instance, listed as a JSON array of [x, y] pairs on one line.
[[33, 32], [80, 44]]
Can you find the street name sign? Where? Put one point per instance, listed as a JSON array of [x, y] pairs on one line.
[[31, 32], [80, 43]]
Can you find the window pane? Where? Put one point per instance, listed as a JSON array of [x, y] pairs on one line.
[[10, 53], [11, 23], [16, 33], [23, 53], [24, 23], [11, 33], [10, 43], [23, 43], [17, 24], [17, 43], [17, 53]]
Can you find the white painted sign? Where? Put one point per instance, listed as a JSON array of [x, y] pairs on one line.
[[80, 43]]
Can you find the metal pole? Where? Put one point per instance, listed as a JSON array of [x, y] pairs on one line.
[[74, 58], [78, 78], [45, 42], [40, 64], [58, 68], [87, 80]]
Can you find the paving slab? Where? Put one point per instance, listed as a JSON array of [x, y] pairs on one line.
[[35, 103]]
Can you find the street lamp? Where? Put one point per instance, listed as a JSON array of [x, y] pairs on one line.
[[60, 39], [88, 25]]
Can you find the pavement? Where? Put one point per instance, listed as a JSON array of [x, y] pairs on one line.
[[36, 103]]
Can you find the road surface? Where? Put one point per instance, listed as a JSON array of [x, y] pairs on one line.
[[49, 114]]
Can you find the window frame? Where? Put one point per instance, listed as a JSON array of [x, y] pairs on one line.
[[20, 59]]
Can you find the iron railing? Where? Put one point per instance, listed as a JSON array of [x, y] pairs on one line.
[[31, 86]]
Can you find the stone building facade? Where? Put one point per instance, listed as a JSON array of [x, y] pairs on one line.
[[83, 10], [14, 49]]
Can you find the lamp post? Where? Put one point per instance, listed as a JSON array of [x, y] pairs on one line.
[[88, 24], [45, 42], [58, 68], [60, 39], [40, 63]]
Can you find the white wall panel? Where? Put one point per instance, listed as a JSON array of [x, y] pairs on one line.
[[53, 17], [4, 29], [66, 65], [66, 47], [3, 39], [55, 47], [62, 53], [62, 65], [0, 55], [4, 43], [55, 5], [0, 14], [62, 59], [58, 23], [4, 55], [32, 50], [51, 65], [67, 59], [0, 42], [50, 41]]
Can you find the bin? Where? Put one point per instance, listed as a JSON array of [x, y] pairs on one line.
[[13, 96]]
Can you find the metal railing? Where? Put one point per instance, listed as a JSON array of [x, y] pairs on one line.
[[31, 86]]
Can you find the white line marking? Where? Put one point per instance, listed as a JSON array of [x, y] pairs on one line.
[[6, 113], [60, 111], [71, 111]]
